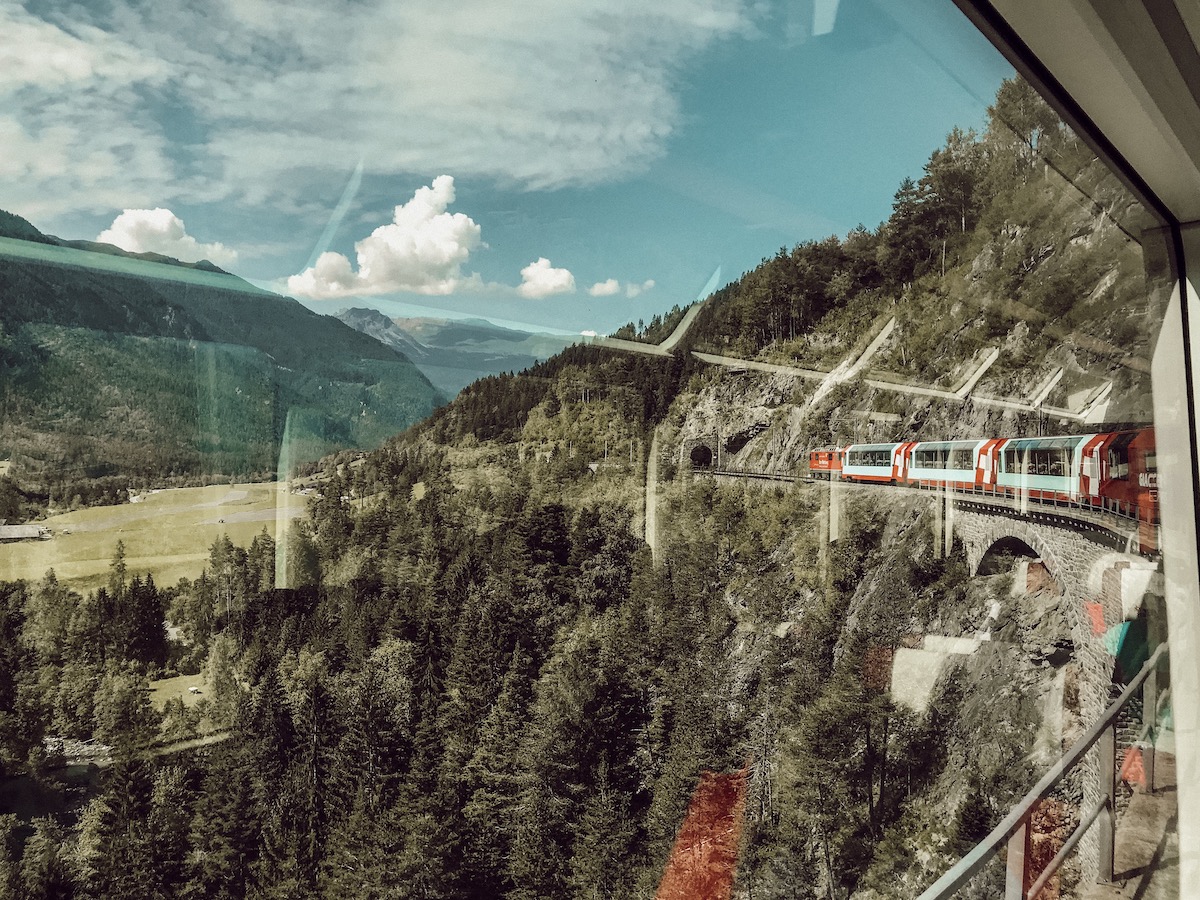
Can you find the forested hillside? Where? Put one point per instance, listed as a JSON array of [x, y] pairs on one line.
[[1017, 239], [183, 378], [476, 679]]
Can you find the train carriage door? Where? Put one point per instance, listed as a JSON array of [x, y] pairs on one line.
[[901, 458], [1091, 470], [987, 461], [1075, 453]]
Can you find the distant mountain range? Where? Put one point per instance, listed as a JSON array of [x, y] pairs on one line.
[[454, 353], [118, 363]]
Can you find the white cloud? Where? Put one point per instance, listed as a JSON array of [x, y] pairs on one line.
[[605, 288], [421, 251], [632, 290], [540, 279], [67, 144], [612, 286], [161, 231], [41, 53], [262, 96]]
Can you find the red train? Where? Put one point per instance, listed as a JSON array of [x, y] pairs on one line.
[[1115, 470]]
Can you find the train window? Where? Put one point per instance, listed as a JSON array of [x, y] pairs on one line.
[[962, 458], [1118, 456], [871, 456], [930, 457], [1052, 459]]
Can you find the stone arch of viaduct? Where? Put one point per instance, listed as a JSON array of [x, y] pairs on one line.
[[1090, 577]]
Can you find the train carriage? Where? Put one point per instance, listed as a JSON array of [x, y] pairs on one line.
[[1046, 468], [942, 463], [968, 465], [1128, 469], [1128, 481], [825, 463], [886, 463], [1114, 471]]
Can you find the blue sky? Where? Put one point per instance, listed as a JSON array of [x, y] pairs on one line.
[[565, 165]]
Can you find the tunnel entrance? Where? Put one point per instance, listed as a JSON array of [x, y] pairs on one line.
[[702, 457]]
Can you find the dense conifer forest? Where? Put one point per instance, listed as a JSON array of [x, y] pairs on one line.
[[464, 675]]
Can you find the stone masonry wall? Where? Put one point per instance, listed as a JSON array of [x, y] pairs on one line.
[[1075, 563]]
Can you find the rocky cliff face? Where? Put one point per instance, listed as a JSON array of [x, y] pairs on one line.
[[1068, 365]]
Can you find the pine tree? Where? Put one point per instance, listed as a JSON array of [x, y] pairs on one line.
[[604, 836], [124, 717], [226, 828], [147, 641], [44, 871], [491, 782], [10, 857]]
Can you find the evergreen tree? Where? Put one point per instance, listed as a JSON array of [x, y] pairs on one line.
[[124, 717], [601, 853], [48, 613], [491, 782], [147, 640], [10, 857], [44, 870], [225, 829]]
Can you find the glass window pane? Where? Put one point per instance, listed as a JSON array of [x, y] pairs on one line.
[[408, 419]]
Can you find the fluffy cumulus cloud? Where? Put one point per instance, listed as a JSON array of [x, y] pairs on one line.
[[262, 95], [612, 287], [161, 231], [422, 250], [540, 279]]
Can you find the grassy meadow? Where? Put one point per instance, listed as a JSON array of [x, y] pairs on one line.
[[166, 533]]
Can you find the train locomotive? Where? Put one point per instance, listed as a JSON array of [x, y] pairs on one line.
[[1113, 471]]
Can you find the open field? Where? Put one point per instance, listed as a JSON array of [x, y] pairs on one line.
[[169, 688], [167, 533]]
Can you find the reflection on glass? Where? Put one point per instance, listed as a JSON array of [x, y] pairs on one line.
[[527, 571]]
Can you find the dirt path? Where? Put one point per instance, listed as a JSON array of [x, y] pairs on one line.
[[665, 348], [704, 859], [104, 759]]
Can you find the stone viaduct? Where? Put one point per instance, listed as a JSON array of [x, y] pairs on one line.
[[1103, 587]]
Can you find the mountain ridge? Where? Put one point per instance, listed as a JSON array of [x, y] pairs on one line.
[[191, 369], [454, 353], [20, 228]]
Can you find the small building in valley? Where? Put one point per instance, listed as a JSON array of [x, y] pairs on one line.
[[10, 533]]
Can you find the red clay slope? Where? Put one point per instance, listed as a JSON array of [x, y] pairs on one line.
[[704, 859]]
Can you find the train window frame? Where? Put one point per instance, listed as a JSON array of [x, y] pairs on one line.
[[1123, 78], [870, 456]]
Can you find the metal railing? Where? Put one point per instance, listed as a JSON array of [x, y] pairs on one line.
[[1014, 830]]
